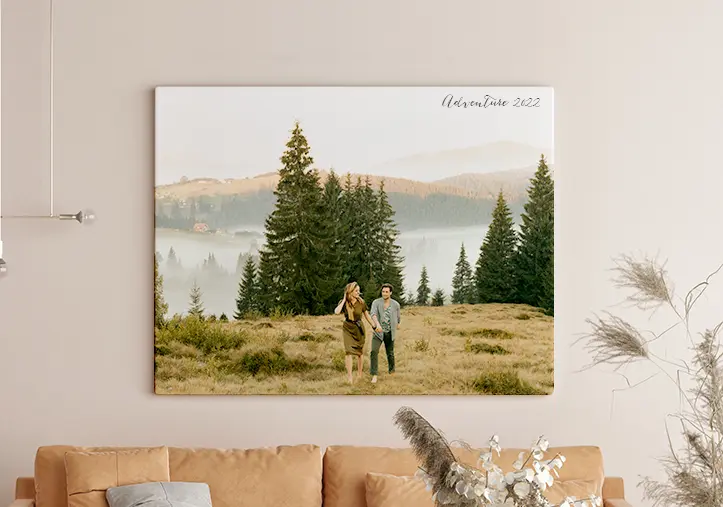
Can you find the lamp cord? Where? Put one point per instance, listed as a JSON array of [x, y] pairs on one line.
[[52, 111]]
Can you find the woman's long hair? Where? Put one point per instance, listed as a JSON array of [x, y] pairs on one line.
[[350, 287]]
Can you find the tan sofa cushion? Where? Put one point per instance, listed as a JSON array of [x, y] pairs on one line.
[[50, 485], [231, 474], [345, 469], [384, 490], [282, 476], [90, 474]]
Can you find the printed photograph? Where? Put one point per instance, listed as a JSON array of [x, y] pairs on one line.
[[354, 240]]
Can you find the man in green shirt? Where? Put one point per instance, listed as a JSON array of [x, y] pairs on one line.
[[386, 314]]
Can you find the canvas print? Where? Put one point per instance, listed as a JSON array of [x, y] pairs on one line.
[[354, 240]]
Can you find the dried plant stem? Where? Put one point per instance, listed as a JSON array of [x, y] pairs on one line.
[[695, 474]]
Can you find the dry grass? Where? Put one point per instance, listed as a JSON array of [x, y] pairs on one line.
[[457, 349]]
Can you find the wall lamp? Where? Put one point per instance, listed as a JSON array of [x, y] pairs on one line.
[[82, 217]]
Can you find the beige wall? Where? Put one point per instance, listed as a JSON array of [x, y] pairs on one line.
[[639, 115]]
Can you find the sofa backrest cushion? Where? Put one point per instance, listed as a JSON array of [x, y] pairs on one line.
[[281, 475], [50, 485], [90, 474], [345, 469]]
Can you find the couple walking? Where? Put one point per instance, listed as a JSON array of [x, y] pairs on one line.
[[384, 318]]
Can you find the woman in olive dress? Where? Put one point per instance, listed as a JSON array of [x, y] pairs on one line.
[[354, 309]]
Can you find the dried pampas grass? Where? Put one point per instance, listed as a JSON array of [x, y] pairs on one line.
[[695, 471]]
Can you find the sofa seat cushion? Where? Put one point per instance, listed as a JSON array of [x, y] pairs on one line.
[[90, 474], [346, 467], [283, 476]]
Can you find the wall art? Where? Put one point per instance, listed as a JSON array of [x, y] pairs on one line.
[[354, 240]]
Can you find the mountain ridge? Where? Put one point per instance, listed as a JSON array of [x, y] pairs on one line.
[[480, 173], [512, 182]]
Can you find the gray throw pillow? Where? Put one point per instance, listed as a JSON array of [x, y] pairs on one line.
[[160, 494]]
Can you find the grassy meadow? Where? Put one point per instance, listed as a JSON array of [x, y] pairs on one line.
[[486, 349]]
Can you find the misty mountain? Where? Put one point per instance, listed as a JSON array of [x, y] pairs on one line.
[[467, 198], [497, 157]]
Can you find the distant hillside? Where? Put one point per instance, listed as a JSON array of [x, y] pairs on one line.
[[464, 198], [488, 158], [476, 172], [513, 182], [268, 182]]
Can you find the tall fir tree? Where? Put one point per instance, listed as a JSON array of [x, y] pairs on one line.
[[392, 259], [463, 281], [373, 237], [438, 298], [294, 273], [334, 219], [356, 227], [160, 307], [247, 299], [196, 308], [495, 274], [240, 263], [535, 255], [423, 290], [547, 301]]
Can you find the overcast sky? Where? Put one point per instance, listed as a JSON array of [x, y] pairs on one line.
[[236, 132]]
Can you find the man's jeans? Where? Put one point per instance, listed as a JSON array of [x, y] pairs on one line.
[[388, 347]]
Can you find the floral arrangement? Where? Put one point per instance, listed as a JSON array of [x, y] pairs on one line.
[[457, 484]]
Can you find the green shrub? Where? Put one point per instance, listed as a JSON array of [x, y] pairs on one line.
[[421, 345], [268, 361], [252, 315], [318, 337], [280, 314], [338, 359], [498, 334], [206, 336], [484, 348], [163, 349], [503, 383]]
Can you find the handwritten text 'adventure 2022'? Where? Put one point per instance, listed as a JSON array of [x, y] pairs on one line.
[[489, 101]]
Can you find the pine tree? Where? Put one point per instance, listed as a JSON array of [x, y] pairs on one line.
[[438, 298], [547, 301], [408, 299], [240, 262], [223, 318], [463, 281], [248, 291], [172, 260], [294, 274], [423, 290], [359, 221], [161, 307], [534, 260], [390, 251], [196, 309], [333, 218], [495, 273]]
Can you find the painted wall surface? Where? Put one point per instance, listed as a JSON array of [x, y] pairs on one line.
[[638, 120]]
